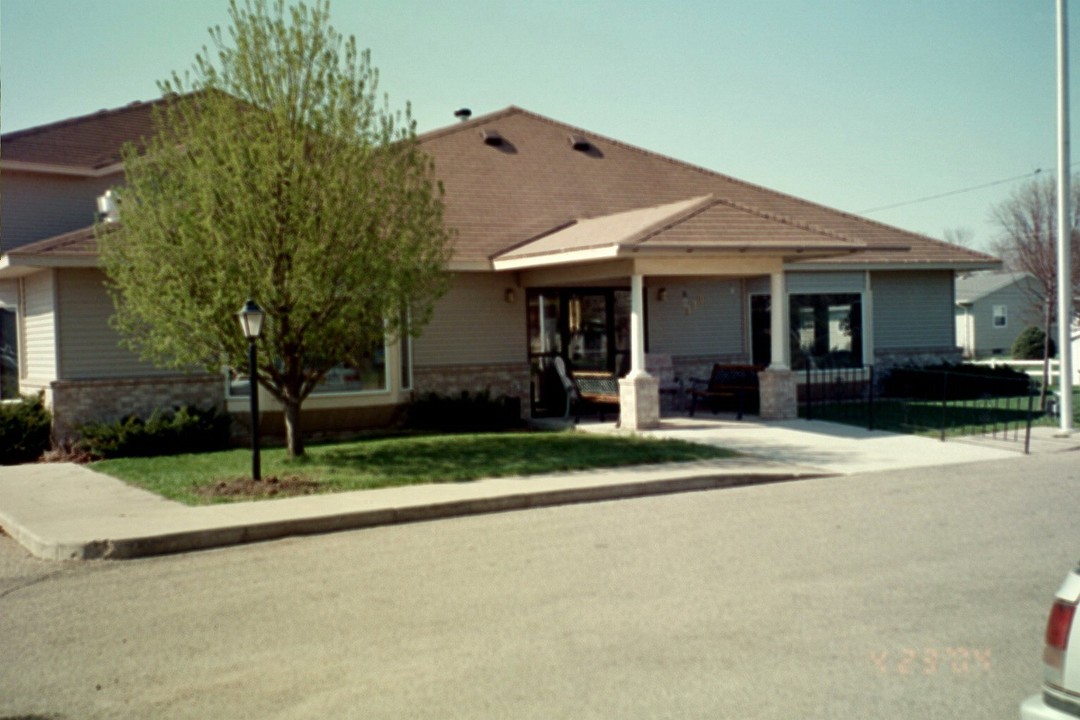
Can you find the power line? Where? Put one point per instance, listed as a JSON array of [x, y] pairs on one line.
[[952, 192]]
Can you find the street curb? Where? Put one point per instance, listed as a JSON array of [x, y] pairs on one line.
[[124, 548]]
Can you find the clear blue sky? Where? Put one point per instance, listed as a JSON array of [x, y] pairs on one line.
[[855, 104]]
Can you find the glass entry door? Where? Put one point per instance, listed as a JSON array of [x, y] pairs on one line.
[[588, 328]]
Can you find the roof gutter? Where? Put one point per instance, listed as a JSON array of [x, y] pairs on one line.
[[68, 170]]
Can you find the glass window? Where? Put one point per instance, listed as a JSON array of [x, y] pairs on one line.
[[9, 356], [237, 384], [406, 362], [826, 331], [1001, 316], [366, 375]]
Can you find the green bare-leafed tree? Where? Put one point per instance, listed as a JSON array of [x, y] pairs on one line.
[[276, 172]]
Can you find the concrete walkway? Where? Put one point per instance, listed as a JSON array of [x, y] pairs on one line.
[[69, 512]]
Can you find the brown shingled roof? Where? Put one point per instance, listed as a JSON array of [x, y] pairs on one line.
[[77, 243], [541, 177], [89, 142], [499, 196], [703, 223]]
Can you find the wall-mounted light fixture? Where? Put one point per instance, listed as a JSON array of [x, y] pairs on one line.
[[509, 295]]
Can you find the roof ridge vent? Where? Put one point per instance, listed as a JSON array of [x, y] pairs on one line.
[[492, 137], [580, 143]]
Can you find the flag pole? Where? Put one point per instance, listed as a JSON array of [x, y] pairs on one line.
[[1064, 226]]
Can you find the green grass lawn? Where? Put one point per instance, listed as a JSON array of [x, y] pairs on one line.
[[409, 460]]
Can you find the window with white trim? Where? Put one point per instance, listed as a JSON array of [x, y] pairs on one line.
[[368, 374], [9, 355], [1001, 316]]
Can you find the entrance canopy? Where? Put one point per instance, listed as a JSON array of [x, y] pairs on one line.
[[701, 235]]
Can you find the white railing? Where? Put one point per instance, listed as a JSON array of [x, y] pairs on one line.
[[1034, 368]]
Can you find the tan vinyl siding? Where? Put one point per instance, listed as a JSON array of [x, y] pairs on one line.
[[35, 207], [90, 348], [39, 327], [473, 324], [713, 325], [825, 283], [913, 309]]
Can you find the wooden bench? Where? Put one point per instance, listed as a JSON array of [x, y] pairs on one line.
[[594, 388], [727, 381], [597, 387]]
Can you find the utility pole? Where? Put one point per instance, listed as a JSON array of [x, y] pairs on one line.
[[1064, 225]]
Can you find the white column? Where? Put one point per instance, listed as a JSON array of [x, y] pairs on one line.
[[639, 392], [779, 387], [637, 326], [868, 321], [780, 323]]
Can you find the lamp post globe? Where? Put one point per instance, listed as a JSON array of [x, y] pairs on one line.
[[251, 318]]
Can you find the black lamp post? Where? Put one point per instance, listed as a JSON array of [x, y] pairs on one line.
[[251, 322]]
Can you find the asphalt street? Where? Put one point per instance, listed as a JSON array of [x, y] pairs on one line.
[[904, 594]]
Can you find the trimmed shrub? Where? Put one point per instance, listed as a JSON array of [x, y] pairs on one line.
[[465, 413], [25, 427], [954, 382], [1029, 344], [184, 430]]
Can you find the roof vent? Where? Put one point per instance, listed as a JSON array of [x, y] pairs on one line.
[[463, 114], [492, 138], [580, 143], [108, 210]]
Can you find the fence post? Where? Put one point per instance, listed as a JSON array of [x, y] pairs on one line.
[[870, 403], [944, 402], [1027, 431], [807, 393]]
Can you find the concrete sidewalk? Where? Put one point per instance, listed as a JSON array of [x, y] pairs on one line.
[[66, 512]]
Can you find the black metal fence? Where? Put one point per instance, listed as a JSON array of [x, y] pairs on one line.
[[944, 402], [845, 394]]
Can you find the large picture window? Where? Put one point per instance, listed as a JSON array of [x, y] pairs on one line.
[[9, 356], [366, 375], [826, 331]]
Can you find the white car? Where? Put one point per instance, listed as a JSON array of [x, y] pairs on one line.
[[1060, 697]]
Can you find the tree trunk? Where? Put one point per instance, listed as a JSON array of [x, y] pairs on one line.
[[294, 436], [1046, 356]]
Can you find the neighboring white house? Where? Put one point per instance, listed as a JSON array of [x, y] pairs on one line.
[[992, 309]]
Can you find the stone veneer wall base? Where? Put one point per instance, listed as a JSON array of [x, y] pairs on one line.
[[75, 402], [510, 379]]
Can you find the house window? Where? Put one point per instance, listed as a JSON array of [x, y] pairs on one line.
[[9, 356], [405, 345], [1001, 316], [589, 328], [826, 331], [368, 374]]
